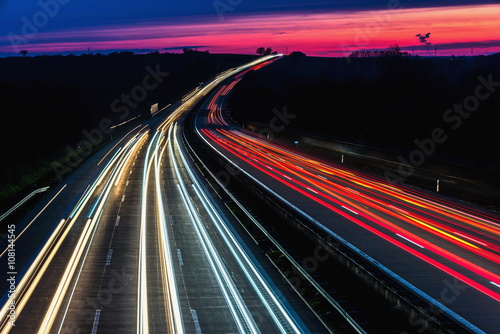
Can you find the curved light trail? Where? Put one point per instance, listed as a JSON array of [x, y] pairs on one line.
[[84, 219], [455, 239]]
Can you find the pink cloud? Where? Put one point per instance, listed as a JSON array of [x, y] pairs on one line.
[[315, 34]]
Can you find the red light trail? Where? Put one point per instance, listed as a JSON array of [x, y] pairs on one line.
[[450, 237]]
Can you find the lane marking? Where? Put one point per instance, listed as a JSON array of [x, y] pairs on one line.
[[117, 221], [496, 284], [110, 255], [96, 321], [314, 191], [413, 242], [350, 210], [197, 326], [179, 255]]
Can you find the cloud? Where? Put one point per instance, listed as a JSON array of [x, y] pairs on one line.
[[313, 33], [459, 45]]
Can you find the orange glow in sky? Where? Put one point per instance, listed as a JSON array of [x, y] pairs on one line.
[[454, 30]]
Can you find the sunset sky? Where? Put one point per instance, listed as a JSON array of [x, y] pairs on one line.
[[323, 28]]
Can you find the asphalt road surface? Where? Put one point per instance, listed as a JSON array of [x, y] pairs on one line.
[[132, 243], [444, 250]]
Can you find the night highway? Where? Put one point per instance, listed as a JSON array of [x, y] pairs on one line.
[[444, 250], [136, 241], [132, 243]]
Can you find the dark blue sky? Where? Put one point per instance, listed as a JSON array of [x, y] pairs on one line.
[[65, 17], [88, 13]]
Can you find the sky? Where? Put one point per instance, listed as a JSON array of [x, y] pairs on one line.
[[318, 28]]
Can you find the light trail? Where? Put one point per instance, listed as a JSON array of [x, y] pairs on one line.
[[142, 286], [168, 273], [132, 147], [37, 215], [93, 201], [37, 269], [443, 229], [326, 200], [278, 313], [81, 249], [40, 264], [30, 279], [414, 219], [392, 211], [436, 304], [118, 143], [241, 315]]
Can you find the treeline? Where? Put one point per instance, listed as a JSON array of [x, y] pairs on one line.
[[391, 51], [377, 53], [388, 102], [49, 101]]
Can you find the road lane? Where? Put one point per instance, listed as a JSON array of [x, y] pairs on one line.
[[118, 261], [380, 219]]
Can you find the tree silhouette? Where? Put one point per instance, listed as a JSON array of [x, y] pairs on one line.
[[423, 39], [24, 52], [264, 52], [392, 51], [297, 54]]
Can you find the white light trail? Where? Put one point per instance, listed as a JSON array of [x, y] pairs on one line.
[[278, 313], [168, 273], [243, 319]]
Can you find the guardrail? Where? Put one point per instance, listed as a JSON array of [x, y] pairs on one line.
[[329, 299], [411, 301], [24, 200]]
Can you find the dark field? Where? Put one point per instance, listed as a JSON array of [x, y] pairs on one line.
[[51, 102], [422, 118]]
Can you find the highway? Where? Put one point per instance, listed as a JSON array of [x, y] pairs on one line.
[[445, 251], [132, 243]]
